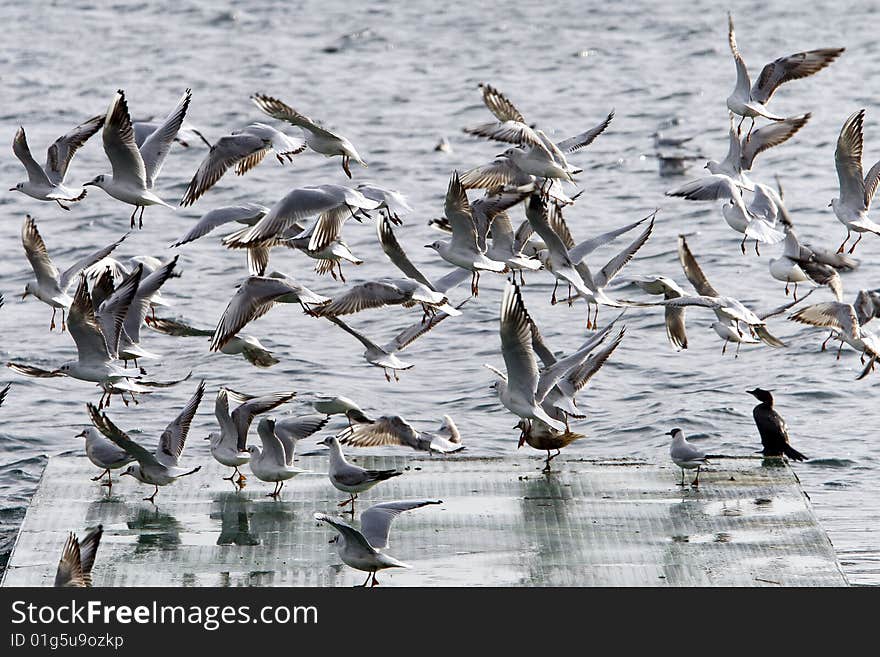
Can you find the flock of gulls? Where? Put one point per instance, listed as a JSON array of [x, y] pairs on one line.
[[516, 229]]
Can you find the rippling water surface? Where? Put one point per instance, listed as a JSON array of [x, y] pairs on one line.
[[395, 78]]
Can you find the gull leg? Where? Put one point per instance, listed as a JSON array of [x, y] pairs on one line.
[[738, 345], [232, 476], [396, 378], [241, 479], [570, 300], [522, 279], [387, 378], [63, 324], [794, 296], [477, 283], [553, 296], [345, 166], [133, 213], [751, 127], [367, 581], [853, 247], [52, 323], [61, 205], [682, 478], [839, 349], [101, 476], [786, 288], [696, 482], [739, 125], [724, 348], [757, 251], [153, 496], [547, 463], [840, 248], [339, 264], [742, 245], [375, 581], [830, 335], [141, 217]]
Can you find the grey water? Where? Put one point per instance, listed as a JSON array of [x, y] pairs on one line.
[[395, 78]]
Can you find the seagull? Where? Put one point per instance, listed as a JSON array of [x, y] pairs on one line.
[[78, 559], [772, 427], [394, 430], [792, 267], [851, 207], [361, 549], [257, 296], [867, 305], [685, 455], [48, 183], [104, 454], [162, 467], [350, 478], [675, 317], [243, 149], [753, 222], [463, 250], [135, 169], [247, 346], [539, 436], [318, 139], [385, 356], [393, 202], [229, 447], [247, 214], [50, 286], [386, 292], [844, 321], [522, 390], [506, 248], [749, 100], [342, 406], [275, 461], [729, 311]]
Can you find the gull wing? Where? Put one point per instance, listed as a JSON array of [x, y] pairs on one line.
[[498, 173], [582, 249], [516, 343], [709, 188], [175, 328], [781, 309], [511, 132], [91, 345], [848, 160], [613, 266], [769, 136], [272, 444], [88, 550], [38, 255], [119, 144], [30, 370], [497, 103], [692, 270], [253, 299], [112, 312], [376, 521], [61, 152], [291, 429], [140, 305], [245, 413], [584, 139], [386, 430], [348, 532], [411, 333], [372, 294], [792, 67], [173, 439], [70, 571], [832, 314], [283, 112], [221, 412], [225, 152], [36, 174], [105, 426], [551, 375], [83, 263], [458, 211], [396, 254], [743, 82], [155, 149], [580, 376]]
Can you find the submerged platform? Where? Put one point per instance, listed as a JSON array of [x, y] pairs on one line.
[[502, 523]]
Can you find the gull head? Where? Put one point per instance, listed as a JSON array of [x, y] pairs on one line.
[[97, 181], [213, 437], [434, 245], [329, 441], [253, 450], [761, 395], [83, 434], [335, 539], [30, 288], [134, 470], [64, 369], [675, 433], [17, 188]]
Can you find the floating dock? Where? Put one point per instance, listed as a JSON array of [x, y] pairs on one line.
[[502, 523]]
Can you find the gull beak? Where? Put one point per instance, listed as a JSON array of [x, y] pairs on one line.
[[122, 474], [13, 189], [429, 246], [522, 441], [88, 184], [24, 295], [830, 204]]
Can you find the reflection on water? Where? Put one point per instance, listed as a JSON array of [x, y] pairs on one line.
[[156, 530], [545, 503], [235, 524]]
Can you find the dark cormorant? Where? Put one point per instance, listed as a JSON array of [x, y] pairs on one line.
[[771, 426]]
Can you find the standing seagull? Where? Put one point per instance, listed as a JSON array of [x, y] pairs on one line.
[[771, 426], [78, 559], [349, 478], [47, 183], [162, 467], [229, 447], [686, 455], [749, 100], [104, 454], [275, 461], [135, 169], [851, 207], [360, 549], [318, 139], [51, 286]]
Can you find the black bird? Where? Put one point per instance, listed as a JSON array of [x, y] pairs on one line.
[[771, 426]]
